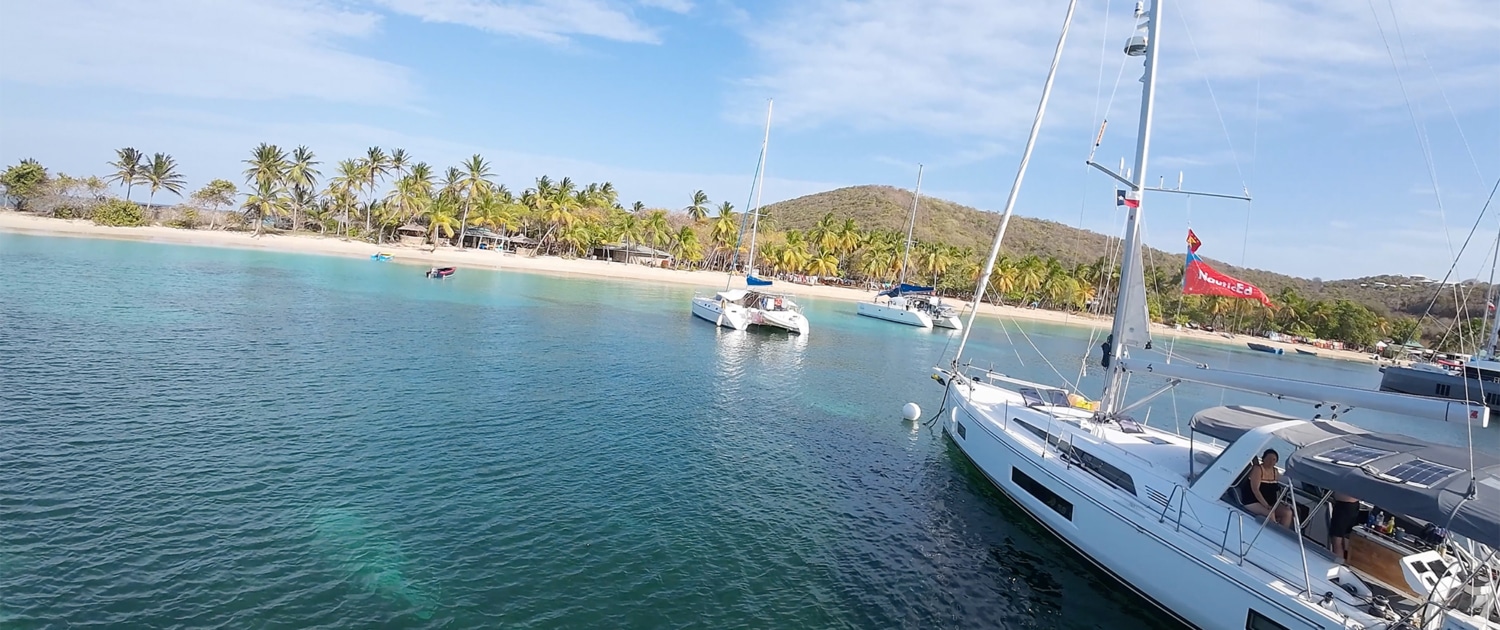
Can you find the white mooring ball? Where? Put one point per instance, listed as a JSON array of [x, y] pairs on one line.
[[911, 411]]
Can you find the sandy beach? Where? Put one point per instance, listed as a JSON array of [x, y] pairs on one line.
[[21, 223]]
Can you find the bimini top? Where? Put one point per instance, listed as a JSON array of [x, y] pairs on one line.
[[1231, 422], [1396, 472], [901, 289], [1407, 475]]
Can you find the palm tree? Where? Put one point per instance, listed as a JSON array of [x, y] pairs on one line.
[[161, 174], [266, 176], [629, 230], [441, 218], [685, 246], [825, 234], [267, 199], [725, 229], [344, 188], [656, 227], [638, 207], [699, 210], [398, 162], [128, 168], [302, 174], [848, 236], [377, 165], [825, 265], [475, 183]]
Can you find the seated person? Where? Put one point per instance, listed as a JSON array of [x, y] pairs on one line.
[[1261, 489]]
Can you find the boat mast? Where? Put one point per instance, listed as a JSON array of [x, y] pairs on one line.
[[910, 226], [1130, 265], [1015, 187], [760, 183]]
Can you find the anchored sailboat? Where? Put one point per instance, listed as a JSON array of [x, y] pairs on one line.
[[911, 304], [1168, 516], [753, 306]]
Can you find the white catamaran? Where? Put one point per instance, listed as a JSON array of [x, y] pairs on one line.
[[756, 305], [911, 304], [1167, 514]]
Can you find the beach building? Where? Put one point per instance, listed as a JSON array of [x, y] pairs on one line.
[[485, 238], [634, 252]]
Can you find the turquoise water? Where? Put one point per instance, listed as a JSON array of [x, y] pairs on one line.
[[196, 437]]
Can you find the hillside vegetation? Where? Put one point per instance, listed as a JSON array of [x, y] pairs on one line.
[[942, 221]]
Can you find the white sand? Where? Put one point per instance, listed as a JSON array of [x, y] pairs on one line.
[[21, 223]]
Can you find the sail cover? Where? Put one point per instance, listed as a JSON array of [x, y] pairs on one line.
[[1136, 327], [901, 289]]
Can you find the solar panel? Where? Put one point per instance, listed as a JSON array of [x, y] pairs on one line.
[[1352, 455], [1420, 472]]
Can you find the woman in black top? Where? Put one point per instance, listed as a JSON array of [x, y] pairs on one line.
[[1262, 489]]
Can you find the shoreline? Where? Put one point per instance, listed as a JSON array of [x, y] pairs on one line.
[[313, 244]]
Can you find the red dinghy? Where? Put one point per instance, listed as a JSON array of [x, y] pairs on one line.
[[440, 272]]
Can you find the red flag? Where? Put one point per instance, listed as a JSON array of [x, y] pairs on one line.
[[1193, 242], [1201, 279]]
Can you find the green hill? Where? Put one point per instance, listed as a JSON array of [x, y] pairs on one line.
[[958, 225]]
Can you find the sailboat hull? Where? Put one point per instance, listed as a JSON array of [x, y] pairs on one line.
[[893, 314], [1181, 575], [725, 314]]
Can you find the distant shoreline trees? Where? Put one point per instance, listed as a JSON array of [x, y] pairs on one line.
[[286, 192]]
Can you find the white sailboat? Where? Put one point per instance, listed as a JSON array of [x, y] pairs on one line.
[[755, 305], [1163, 514], [899, 306]]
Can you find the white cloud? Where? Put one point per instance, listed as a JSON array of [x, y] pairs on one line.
[[975, 67], [241, 50], [212, 145], [675, 6], [546, 20]]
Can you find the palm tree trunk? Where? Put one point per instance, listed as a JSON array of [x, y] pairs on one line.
[[151, 205], [463, 225], [128, 186]]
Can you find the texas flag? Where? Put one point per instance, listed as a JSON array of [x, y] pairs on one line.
[[1122, 200]]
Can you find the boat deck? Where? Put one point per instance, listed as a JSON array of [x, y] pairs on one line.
[[1164, 451]]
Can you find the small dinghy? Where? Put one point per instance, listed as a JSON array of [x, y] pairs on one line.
[[440, 272], [1265, 348], [382, 256], [1307, 352]]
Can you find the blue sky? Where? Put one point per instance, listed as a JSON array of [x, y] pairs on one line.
[[1316, 109]]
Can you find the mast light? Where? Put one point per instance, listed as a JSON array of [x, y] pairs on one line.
[[1136, 47]]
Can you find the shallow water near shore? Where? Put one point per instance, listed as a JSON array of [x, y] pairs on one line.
[[204, 437]]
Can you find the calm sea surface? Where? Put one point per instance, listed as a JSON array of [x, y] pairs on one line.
[[200, 437]]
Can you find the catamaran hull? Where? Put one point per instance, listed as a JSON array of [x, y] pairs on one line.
[[789, 321], [898, 315], [950, 321], [1184, 582], [727, 315]]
